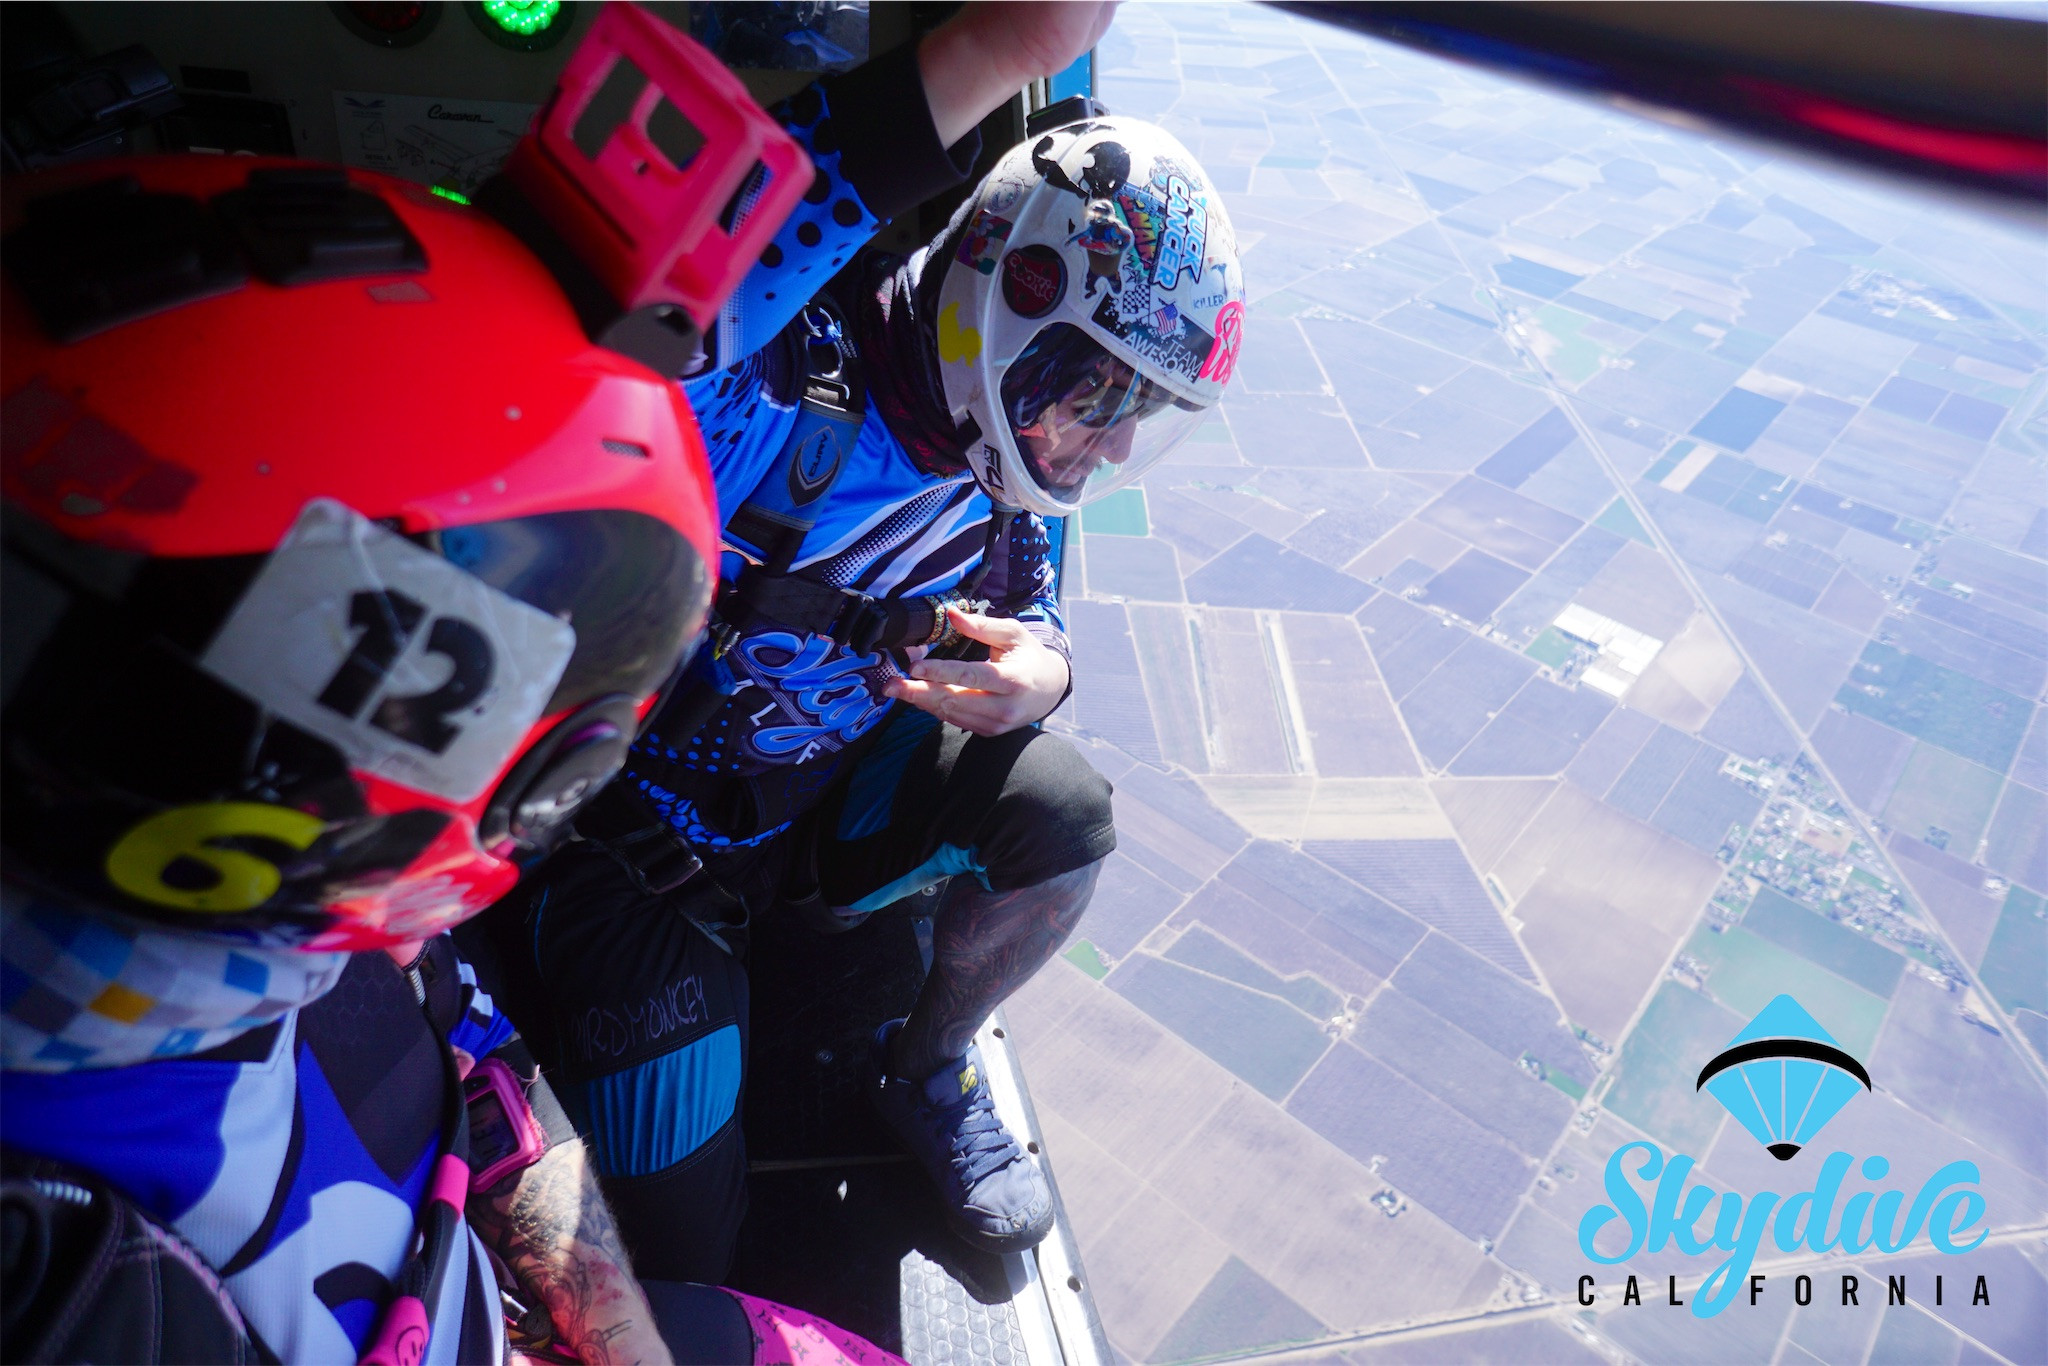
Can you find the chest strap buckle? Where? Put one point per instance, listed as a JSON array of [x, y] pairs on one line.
[[654, 857], [860, 622]]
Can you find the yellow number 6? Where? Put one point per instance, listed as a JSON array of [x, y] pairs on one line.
[[138, 861]]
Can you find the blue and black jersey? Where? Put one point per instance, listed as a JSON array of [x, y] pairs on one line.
[[889, 527]]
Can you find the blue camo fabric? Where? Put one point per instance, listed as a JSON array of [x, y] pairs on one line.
[[888, 528]]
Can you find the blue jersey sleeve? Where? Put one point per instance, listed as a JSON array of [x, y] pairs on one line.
[[483, 1028], [1021, 583], [829, 224]]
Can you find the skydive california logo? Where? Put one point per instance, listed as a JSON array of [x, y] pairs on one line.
[[1782, 1077]]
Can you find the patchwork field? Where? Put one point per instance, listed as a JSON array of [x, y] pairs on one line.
[[1936, 704], [1837, 948], [1660, 1062], [2015, 969], [1937, 791], [1745, 973]]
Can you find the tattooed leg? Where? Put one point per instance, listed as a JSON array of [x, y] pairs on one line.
[[984, 946], [550, 1224]]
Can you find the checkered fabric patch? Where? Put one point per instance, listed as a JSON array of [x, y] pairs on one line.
[[82, 990]]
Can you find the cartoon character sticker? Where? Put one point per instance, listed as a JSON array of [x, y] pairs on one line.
[[1103, 173], [983, 242], [1104, 237]]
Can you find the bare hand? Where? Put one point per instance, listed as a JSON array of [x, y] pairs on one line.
[[1032, 39], [1022, 681], [992, 49]]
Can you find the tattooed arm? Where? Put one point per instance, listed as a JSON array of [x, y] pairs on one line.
[[550, 1225]]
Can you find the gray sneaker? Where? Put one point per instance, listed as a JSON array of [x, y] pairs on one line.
[[995, 1196]]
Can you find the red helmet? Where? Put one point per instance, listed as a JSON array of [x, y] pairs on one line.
[[340, 566]]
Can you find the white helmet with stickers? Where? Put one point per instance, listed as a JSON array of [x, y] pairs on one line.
[[1091, 314]]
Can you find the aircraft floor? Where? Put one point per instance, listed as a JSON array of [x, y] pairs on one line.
[[840, 1222]]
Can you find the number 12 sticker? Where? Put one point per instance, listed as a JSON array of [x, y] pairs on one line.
[[417, 671]]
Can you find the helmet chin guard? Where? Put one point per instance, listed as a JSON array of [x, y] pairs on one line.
[[1091, 313]]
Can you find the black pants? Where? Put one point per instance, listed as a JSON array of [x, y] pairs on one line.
[[641, 1016]]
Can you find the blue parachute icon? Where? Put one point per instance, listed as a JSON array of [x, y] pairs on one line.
[[1783, 1077]]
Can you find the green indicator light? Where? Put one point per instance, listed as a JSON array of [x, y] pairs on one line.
[[448, 194], [523, 25], [523, 17]]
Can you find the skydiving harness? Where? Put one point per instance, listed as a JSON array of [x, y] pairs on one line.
[[774, 520], [777, 516], [404, 1328]]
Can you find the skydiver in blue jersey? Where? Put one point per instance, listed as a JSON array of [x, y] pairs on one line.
[[887, 633]]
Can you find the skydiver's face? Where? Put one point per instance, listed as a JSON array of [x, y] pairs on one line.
[[1079, 432]]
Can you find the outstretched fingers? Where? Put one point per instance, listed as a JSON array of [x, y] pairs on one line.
[[1020, 682]]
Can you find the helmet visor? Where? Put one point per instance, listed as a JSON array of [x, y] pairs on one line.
[[1085, 421]]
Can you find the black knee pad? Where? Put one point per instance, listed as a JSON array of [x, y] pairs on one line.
[[1052, 815]]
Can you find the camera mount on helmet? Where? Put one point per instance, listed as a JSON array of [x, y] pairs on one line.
[[647, 248]]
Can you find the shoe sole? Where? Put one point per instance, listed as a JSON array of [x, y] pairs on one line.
[[1000, 1245]]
